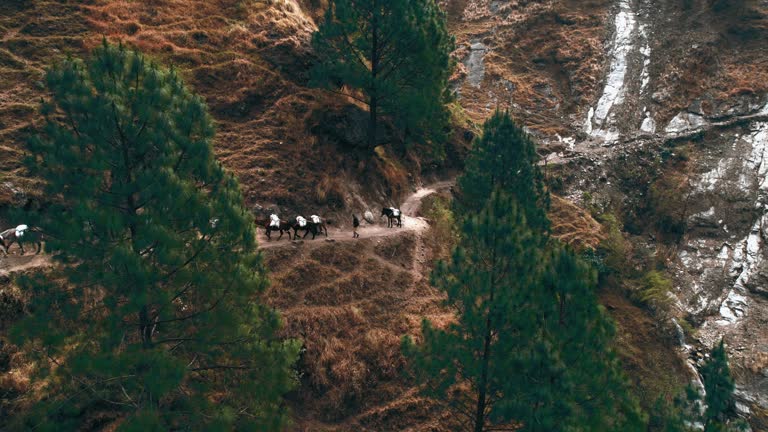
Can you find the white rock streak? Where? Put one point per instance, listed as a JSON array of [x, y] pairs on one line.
[[748, 254], [645, 76], [601, 121]]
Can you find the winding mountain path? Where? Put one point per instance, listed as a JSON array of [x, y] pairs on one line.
[[343, 232], [15, 262]]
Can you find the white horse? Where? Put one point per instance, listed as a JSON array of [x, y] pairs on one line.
[[21, 234]]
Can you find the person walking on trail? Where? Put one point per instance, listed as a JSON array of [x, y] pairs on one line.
[[355, 225]]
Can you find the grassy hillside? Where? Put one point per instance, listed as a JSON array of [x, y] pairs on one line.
[[248, 58], [296, 149]]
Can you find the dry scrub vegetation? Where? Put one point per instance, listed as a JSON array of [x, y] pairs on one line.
[[351, 303], [544, 59], [711, 54], [248, 58], [573, 225]]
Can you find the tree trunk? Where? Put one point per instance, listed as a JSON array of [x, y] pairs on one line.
[[373, 96], [145, 327], [482, 390], [372, 122], [482, 387]]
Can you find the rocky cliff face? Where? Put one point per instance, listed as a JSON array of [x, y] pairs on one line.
[[639, 101]]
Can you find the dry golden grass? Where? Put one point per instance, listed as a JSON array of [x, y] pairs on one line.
[[351, 303], [545, 57], [248, 58], [712, 56], [573, 225], [647, 353]]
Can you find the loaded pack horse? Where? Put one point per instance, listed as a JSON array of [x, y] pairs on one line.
[[21, 234], [301, 224], [276, 224], [392, 215], [318, 225], [314, 225]]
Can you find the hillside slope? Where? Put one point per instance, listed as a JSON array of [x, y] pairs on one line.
[[249, 59], [611, 88]]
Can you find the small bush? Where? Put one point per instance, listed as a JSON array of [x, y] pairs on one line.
[[656, 291], [556, 184], [613, 249], [443, 231], [668, 203]]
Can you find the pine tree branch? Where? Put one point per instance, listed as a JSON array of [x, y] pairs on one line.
[[355, 51], [394, 66], [177, 339], [363, 101], [406, 50], [205, 242], [214, 367], [72, 123], [198, 313]]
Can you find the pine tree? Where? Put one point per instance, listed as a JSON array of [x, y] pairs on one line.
[[153, 315], [573, 340], [504, 157], [716, 412], [396, 52], [718, 386], [529, 343]]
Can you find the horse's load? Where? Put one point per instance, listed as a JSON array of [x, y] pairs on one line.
[[20, 230], [301, 221], [274, 220], [395, 212], [315, 219]]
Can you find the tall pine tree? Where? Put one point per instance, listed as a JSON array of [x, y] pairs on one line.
[[529, 344], [718, 387], [716, 412], [504, 158], [497, 259], [396, 52], [153, 316]]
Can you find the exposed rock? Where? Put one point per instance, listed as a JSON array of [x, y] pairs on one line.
[[696, 107], [649, 124], [685, 122], [474, 63], [630, 55], [740, 106], [705, 219], [660, 96]]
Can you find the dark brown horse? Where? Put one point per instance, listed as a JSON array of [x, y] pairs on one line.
[[21, 235], [315, 225], [282, 226], [318, 225], [392, 215], [301, 224]]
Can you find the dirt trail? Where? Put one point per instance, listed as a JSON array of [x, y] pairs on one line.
[[15, 263], [411, 206]]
